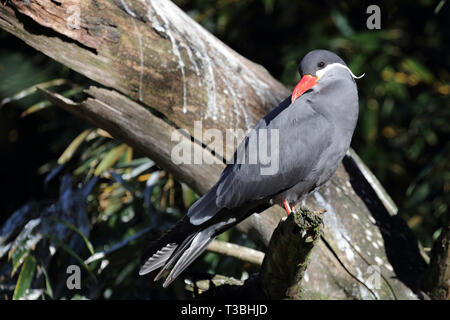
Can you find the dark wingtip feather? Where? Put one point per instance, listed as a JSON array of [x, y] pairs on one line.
[[158, 259], [198, 245]]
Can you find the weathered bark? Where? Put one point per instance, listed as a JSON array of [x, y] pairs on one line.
[[437, 278], [155, 54], [287, 257]]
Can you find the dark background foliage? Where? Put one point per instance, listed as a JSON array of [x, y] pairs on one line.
[[402, 133]]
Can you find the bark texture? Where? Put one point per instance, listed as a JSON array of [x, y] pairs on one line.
[[161, 71], [437, 278], [285, 264]]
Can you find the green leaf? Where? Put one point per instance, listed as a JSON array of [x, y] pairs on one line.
[[45, 104], [36, 107], [29, 91], [23, 244], [73, 147], [110, 159], [47, 282], [18, 255], [439, 6], [134, 163], [25, 277], [74, 228]]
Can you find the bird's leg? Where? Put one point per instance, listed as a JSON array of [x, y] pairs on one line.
[[287, 207]]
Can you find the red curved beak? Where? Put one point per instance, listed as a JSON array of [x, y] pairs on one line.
[[306, 83]]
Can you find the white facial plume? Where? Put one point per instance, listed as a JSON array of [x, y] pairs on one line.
[[321, 72]]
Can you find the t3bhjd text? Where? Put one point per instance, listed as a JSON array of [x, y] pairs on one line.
[[229, 309]]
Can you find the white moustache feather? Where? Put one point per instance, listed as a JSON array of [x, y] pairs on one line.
[[321, 72]]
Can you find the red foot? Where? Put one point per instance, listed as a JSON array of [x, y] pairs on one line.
[[287, 207]]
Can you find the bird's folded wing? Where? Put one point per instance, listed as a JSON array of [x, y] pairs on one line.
[[300, 135]]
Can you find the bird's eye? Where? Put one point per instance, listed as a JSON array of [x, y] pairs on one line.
[[321, 64]]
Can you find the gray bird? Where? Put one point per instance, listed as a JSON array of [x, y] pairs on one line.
[[307, 134]]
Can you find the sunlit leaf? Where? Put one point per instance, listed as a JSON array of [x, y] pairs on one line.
[[138, 170], [25, 277], [110, 159], [22, 251], [29, 91], [23, 244], [135, 163], [129, 154], [73, 147], [45, 104], [92, 156], [104, 133], [36, 107]]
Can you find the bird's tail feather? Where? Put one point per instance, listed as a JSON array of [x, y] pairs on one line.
[[174, 257], [180, 246], [178, 257], [161, 250], [189, 254], [158, 259]]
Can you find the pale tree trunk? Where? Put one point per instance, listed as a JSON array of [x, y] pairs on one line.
[[164, 71]]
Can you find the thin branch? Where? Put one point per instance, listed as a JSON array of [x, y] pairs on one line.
[[237, 251]]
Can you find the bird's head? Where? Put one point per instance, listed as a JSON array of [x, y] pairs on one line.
[[314, 66]]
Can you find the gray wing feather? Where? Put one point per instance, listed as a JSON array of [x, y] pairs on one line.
[[204, 208], [300, 128], [158, 259]]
